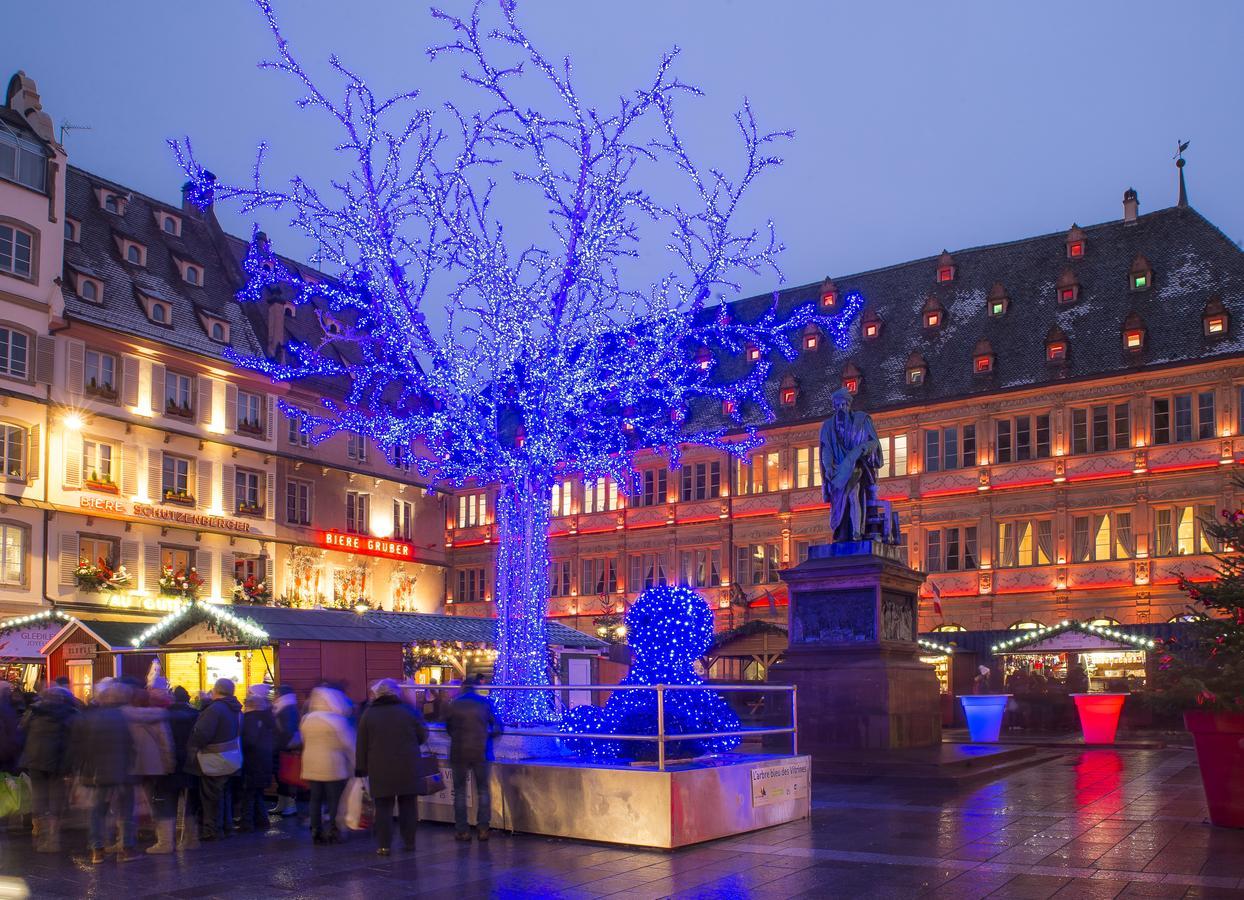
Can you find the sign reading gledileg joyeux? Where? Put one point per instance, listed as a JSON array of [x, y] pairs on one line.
[[25, 643]]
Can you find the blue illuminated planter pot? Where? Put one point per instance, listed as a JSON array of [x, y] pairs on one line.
[[984, 715]]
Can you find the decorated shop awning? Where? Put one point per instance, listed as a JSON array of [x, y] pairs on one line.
[[1072, 636], [22, 638]]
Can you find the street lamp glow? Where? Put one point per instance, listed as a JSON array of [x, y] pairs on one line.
[[73, 421]]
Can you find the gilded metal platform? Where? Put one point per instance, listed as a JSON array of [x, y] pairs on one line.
[[640, 806]]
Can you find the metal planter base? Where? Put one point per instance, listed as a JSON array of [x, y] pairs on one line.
[[640, 806]]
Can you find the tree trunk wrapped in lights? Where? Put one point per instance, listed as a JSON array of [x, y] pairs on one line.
[[508, 364]]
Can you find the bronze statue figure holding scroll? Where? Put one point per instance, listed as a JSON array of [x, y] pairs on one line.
[[850, 458]]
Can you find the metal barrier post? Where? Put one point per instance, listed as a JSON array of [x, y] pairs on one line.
[[660, 728], [794, 720]]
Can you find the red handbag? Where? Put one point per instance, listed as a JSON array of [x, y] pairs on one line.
[[289, 769]]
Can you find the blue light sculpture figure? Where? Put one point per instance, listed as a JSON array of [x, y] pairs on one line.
[[546, 360], [668, 628]]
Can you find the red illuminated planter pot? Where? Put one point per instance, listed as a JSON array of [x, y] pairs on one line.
[[1099, 716], [1219, 739], [984, 715]]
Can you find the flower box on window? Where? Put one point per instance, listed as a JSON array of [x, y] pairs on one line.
[[184, 498], [102, 391], [250, 509], [180, 583], [97, 482], [252, 591], [180, 410], [96, 577], [246, 426]]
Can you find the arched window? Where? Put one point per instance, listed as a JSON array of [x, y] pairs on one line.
[[1185, 617], [110, 203], [218, 331], [1025, 626], [192, 275], [159, 312], [133, 254], [1104, 622], [950, 626], [170, 226], [89, 291]]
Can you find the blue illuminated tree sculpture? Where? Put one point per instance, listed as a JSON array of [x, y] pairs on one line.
[[505, 361], [668, 628]]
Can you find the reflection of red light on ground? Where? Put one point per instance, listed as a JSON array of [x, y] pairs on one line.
[[984, 715], [1099, 716]]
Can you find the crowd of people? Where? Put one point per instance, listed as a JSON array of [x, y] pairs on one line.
[[201, 771]]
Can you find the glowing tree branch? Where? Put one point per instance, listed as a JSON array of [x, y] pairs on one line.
[[553, 356]]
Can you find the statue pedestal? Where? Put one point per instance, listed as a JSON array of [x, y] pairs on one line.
[[853, 653]]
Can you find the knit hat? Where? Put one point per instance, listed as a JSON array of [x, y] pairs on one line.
[[258, 691], [385, 687]]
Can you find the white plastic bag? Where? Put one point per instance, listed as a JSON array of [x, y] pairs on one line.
[[357, 809]]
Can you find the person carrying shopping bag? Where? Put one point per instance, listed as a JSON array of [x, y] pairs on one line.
[[390, 734], [214, 753], [328, 745]]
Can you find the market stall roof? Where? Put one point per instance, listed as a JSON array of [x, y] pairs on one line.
[[757, 636], [111, 635], [414, 627], [1071, 635]]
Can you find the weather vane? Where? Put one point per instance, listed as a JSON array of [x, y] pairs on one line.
[[1180, 146]]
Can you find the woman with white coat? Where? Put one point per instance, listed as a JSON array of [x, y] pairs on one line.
[[328, 743]]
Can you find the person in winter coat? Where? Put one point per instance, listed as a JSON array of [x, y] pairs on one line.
[[327, 758], [288, 740], [181, 785], [259, 737], [47, 726], [10, 737], [103, 754], [390, 733], [471, 724], [153, 761], [214, 753]]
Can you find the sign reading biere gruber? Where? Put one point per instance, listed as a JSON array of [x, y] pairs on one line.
[[779, 783], [368, 546]]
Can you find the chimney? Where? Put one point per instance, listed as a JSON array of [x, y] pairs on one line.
[[198, 194], [1131, 205]]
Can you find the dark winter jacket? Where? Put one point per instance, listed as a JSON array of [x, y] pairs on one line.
[[219, 723], [102, 747], [390, 733], [48, 726], [181, 719], [285, 709], [471, 724], [259, 739]]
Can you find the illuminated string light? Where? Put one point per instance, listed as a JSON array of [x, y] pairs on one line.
[[553, 359], [1045, 631], [223, 622], [944, 649], [669, 627]]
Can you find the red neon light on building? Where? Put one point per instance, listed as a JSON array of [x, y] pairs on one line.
[[367, 545]]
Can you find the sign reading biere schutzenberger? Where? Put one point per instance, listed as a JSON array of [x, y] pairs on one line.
[[779, 783]]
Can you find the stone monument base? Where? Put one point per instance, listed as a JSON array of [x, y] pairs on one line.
[[853, 653]]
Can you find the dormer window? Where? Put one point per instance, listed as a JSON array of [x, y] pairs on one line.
[[811, 338], [871, 327], [703, 358], [753, 353], [73, 231], [1068, 287], [788, 396], [788, 392], [169, 223], [829, 296], [982, 357], [917, 369], [217, 329], [132, 252], [110, 201], [997, 302], [158, 311], [1056, 346], [90, 289], [1134, 333], [1140, 276], [727, 407], [932, 316], [1214, 318], [191, 273], [1075, 243], [851, 378], [945, 268]]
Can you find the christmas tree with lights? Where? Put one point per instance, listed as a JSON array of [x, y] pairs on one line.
[[508, 362], [1205, 668]]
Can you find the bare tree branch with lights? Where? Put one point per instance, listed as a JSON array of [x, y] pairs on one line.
[[554, 356]]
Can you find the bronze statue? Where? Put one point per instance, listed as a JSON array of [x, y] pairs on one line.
[[850, 458]]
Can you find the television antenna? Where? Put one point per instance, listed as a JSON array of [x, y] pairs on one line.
[[66, 125]]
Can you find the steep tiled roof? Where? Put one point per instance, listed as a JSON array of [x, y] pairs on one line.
[[1191, 261], [121, 309]]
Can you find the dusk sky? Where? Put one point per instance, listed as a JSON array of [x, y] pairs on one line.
[[918, 125]]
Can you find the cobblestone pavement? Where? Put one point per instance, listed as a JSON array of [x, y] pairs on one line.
[[1094, 823]]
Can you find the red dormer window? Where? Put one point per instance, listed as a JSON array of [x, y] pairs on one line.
[[829, 295], [1216, 324], [1134, 338], [945, 274], [1075, 249], [1056, 351], [788, 396], [984, 364], [932, 318], [982, 357], [1068, 293], [753, 353], [852, 385], [872, 330], [727, 407], [811, 341]]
